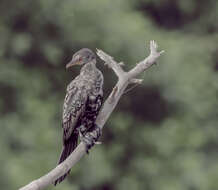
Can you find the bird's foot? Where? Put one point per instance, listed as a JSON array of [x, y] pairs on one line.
[[90, 138]]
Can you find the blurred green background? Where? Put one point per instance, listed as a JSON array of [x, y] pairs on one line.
[[163, 135]]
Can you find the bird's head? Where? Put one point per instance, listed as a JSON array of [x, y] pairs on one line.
[[81, 57]]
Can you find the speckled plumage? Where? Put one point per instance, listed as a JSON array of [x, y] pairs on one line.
[[82, 103], [83, 99]]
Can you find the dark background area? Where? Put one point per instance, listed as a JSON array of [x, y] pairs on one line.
[[163, 135]]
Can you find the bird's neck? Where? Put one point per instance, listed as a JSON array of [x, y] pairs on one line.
[[89, 67]]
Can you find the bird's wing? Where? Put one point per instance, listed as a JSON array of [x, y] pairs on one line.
[[74, 106]]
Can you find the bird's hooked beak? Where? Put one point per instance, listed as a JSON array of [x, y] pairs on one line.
[[74, 61]]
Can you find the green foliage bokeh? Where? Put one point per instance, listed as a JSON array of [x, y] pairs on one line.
[[163, 135]]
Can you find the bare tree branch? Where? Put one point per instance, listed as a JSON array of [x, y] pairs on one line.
[[124, 79], [109, 61]]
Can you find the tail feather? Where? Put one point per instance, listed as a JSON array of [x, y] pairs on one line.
[[68, 148]]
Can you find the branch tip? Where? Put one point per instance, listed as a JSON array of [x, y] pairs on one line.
[[121, 64], [136, 81]]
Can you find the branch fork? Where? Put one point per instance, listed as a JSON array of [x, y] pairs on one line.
[[124, 79]]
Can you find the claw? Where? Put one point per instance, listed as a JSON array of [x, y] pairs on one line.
[[90, 138], [98, 142]]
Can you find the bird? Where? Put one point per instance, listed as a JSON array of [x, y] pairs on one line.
[[81, 106]]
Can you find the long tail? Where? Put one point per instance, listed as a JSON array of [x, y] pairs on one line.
[[68, 148]]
